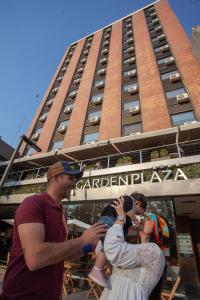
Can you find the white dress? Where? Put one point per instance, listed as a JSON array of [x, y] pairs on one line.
[[136, 268]]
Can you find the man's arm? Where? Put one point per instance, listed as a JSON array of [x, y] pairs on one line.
[[39, 254]]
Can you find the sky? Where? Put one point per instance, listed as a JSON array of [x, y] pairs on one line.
[[34, 36]]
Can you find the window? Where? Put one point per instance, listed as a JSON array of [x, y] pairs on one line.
[[97, 96], [132, 128], [174, 93], [96, 113], [129, 104], [129, 60], [29, 151], [130, 86], [154, 39], [38, 130], [167, 75], [182, 118], [90, 137], [99, 83], [57, 145], [64, 123], [156, 50], [162, 60]]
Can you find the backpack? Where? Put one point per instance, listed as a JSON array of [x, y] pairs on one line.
[[160, 230]]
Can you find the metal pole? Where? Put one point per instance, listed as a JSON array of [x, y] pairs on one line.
[[10, 163]]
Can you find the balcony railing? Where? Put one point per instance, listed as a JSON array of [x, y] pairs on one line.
[[171, 151]]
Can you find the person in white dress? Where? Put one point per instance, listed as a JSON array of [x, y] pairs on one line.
[[136, 268]]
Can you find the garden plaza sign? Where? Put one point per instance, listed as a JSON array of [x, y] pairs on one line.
[[131, 178]]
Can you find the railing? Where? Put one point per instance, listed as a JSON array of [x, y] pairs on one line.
[[170, 151]]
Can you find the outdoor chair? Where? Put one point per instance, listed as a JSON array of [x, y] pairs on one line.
[[168, 295], [95, 289]]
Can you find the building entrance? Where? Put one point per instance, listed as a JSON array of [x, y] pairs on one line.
[[194, 231]]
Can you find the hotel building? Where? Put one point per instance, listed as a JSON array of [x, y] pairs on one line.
[[124, 104]]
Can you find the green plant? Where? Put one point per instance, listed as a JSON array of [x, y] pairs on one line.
[[154, 154], [164, 152], [124, 160]]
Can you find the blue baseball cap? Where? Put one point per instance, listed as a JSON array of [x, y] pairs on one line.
[[63, 167]]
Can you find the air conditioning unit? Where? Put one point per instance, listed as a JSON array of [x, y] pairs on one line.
[[104, 51], [83, 60], [85, 52], [128, 20], [103, 61], [64, 69], [161, 37], [132, 90], [108, 30], [191, 122], [129, 33], [129, 26], [70, 54], [62, 128], [107, 36], [158, 28], [97, 100], [182, 98], [153, 14], [131, 73], [43, 118], [134, 110], [80, 70], [130, 50], [169, 61], [131, 60], [67, 61], [68, 109], [155, 21], [175, 77], [99, 84], [101, 72], [59, 79], [49, 103], [106, 43], [94, 120], [35, 136], [129, 41], [88, 45], [164, 48], [90, 39], [77, 81], [150, 9], [135, 133], [55, 90], [73, 94]]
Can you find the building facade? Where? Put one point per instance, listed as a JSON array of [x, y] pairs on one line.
[[124, 104], [196, 42]]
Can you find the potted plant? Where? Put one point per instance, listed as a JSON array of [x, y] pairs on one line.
[[154, 155], [164, 153], [124, 160]]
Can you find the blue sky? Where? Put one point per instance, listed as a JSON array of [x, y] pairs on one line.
[[34, 36]]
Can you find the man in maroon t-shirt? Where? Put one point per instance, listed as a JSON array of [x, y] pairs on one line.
[[39, 246]]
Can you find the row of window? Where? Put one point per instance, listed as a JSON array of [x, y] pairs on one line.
[[173, 86]]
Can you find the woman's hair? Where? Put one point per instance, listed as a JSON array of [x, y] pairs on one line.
[[140, 197]]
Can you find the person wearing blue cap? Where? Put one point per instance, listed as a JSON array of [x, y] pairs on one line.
[[40, 246]]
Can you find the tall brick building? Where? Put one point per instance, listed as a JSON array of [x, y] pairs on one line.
[[125, 104]]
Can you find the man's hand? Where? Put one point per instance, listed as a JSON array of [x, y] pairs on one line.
[[93, 234]]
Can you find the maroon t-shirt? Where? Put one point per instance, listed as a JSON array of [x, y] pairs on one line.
[[46, 283]]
